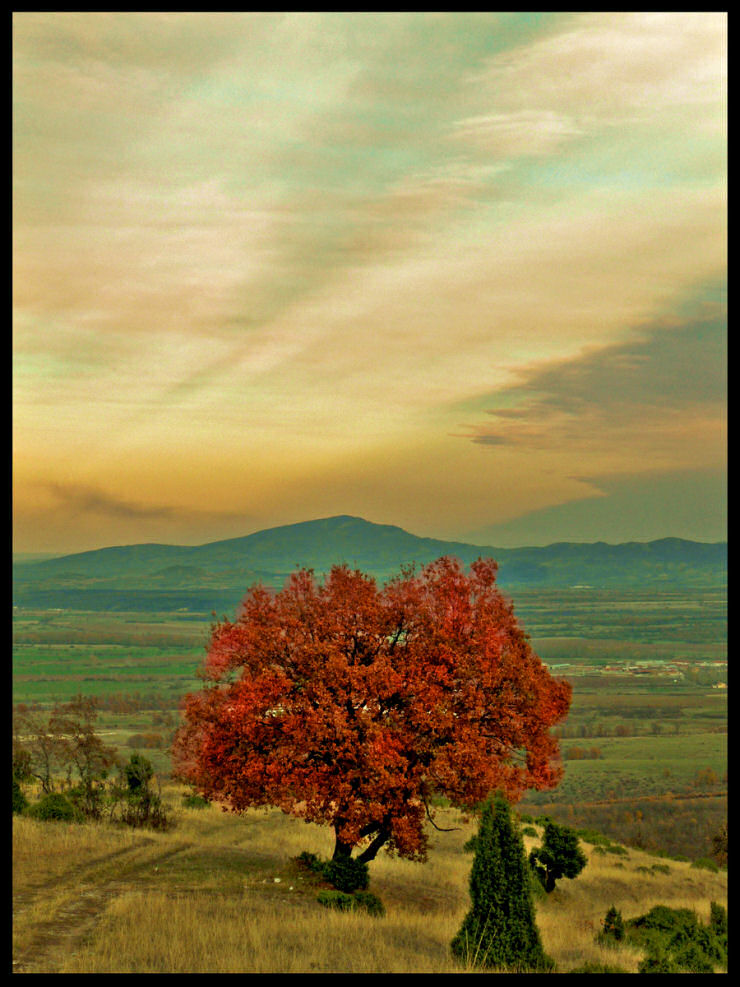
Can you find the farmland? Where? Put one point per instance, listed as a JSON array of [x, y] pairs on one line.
[[645, 763], [648, 719]]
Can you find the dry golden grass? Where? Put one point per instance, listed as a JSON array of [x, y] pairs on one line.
[[42, 852], [152, 932], [222, 894]]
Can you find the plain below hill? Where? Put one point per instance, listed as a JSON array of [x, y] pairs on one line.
[[216, 575]]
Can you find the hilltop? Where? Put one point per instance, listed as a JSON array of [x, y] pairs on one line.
[[215, 575], [222, 893]]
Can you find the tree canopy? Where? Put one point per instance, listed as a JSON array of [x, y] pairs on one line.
[[349, 704]]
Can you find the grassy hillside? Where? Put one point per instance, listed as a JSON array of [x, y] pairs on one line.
[[223, 894]]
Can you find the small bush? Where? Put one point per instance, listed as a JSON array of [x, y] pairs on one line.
[[613, 848], [347, 874], [661, 918], [351, 902], [593, 837], [689, 957], [529, 831], [706, 863], [370, 902], [612, 926], [139, 805], [195, 801], [20, 802], [311, 862], [336, 899], [53, 807]]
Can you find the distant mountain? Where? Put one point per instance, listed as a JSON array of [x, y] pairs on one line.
[[153, 576]]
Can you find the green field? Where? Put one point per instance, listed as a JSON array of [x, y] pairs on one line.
[[628, 737]]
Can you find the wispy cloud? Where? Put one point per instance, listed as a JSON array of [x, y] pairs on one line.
[[663, 390], [79, 499]]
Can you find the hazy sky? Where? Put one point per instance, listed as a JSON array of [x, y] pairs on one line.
[[463, 273]]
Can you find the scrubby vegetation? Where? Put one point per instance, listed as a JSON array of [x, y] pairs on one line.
[[224, 893], [62, 754]]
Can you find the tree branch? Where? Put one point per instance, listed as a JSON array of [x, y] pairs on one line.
[[440, 829]]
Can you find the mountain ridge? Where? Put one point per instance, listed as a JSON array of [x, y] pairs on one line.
[[225, 568]]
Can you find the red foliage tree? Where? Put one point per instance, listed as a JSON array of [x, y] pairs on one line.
[[351, 705]]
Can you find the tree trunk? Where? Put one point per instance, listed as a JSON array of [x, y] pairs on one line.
[[370, 853], [342, 850]]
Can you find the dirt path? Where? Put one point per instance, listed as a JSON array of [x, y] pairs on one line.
[[85, 893]]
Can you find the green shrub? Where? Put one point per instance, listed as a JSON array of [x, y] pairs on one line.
[[529, 831], [336, 899], [689, 957], [612, 926], [718, 921], [53, 807], [677, 942], [369, 902], [311, 862], [347, 874], [613, 848], [657, 961], [195, 801], [140, 806], [351, 902], [706, 863], [20, 802], [593, 837], [662, 918]]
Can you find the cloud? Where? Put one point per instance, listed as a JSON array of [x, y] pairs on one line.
[[664, 389], [247, 244], [634, 507], [79, 499], [522, 132], [614, 67]]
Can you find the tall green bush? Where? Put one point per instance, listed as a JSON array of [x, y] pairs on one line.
[[499, 931], [140, 806]]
